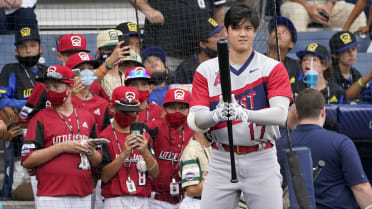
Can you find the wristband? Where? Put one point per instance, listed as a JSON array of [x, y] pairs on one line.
[[100, 70], [153, 166], [360, 83], [108, 66]]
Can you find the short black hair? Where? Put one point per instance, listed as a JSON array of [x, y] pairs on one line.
[[239, 12], [309, 103]]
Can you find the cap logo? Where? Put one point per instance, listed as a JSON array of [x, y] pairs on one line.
[[132, 27], [75, 40], [52, 73], [213, 22], [139, 70], [25, 32], [130, 96], [345, 38], [312, 47], [113, 35], [84, 56], [179, 94]]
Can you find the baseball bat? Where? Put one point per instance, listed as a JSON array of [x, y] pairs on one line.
[[223, 63]]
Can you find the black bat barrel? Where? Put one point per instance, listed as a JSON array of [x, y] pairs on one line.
[[223, 61]]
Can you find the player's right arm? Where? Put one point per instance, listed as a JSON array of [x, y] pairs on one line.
[[152, 15], [110, 169]]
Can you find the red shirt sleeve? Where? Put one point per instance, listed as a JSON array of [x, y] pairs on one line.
[[200, 92], [278, 83]]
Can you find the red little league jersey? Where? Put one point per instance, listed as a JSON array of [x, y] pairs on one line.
[[150, 113], [167, 151], [117, 185], [97, 89], [60, 176], [98, 107]]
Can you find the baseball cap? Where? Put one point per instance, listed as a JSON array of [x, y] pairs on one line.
[[26, 33], [108, 37], [72, 42], [80, 58], [315, 49], [341, 41], [212, 28], [154, 51], [177, 95], [59, 73], [286, 22], [125, 98], [134, 57], [137, 73], [128, 28]]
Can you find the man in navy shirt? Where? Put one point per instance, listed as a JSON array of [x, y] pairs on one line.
[[342, 183]]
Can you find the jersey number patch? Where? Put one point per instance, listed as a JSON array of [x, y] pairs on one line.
[[257, 130]]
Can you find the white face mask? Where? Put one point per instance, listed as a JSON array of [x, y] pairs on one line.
[[87, 77]]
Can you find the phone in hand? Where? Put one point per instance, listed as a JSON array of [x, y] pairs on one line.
[[124, 38], [136, 128], [76, 72], [324, 14]]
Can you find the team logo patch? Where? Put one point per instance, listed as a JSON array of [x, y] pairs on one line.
[[75, 40], [85, 125], [52, 73], [345, 38], [97, 112], [190, 176], [132, 27], [213, 22], [179, 94], [26, 148], [130, 96], [312, 47], [113, 35], [333, 99], [26, 31], [217, 80], [84, 56]]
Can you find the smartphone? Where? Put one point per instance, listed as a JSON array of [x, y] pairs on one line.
[[124, 38], [136, 128], [76, 72], [324, 14]]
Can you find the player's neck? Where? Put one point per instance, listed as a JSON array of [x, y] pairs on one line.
[[143, 105], [84, 94], [202, 56], [239, 57], [121, 129], [344, 69], [65, 109], [313, 121]]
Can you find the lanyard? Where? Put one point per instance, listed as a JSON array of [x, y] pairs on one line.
[[170, 147], [130, 155], [29, 78], [77, 121]]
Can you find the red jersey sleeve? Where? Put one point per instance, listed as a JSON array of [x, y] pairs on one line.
[[200, 92], [278, 83]]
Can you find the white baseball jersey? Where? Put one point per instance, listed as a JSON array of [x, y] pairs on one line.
[[253, 84]]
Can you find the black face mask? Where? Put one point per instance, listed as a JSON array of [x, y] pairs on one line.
[[29, 61], [159, 77], [210, 52], [103, 56]]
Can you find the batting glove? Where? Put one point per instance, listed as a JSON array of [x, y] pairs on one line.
[[237, 112], [221, 111]]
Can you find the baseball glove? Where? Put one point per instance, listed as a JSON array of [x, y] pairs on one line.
[[10, 117]]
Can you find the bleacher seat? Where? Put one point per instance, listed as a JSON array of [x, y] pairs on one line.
[[356, 121]]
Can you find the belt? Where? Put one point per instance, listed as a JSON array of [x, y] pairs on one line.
[[243, 149]]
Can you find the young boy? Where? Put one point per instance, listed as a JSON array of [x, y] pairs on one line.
[[54, 146], [140, 79], [173, 136], [127, 161]]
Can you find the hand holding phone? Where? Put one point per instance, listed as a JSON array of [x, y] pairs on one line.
[[136, 128], [76, 72], [324, 14]]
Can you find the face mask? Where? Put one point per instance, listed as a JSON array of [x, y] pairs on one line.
[[87, 77], [159, 77], [29, 61], [57, 99], [176, 119], [124, 120], [210, 52], [104, 56], [143, 95]]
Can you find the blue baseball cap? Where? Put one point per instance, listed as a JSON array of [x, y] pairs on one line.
[[314, 49], [286, 22], [26, 33], [154, 51]]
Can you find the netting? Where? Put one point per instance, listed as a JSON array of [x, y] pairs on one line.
[[170, 38]]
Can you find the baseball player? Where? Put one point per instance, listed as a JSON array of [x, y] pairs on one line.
[[85, 98], [261, 96], [140, 79], [173, 136], [127, 161], [60, 156]]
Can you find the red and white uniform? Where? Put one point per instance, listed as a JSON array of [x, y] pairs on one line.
[[61, 175], [96, 106], [166, 151], [150, 113], [117, 185], [97, 89]]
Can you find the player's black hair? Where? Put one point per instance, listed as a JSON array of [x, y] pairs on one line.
[[239, 12], [309, 103]]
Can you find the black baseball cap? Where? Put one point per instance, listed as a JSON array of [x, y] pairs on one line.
[[26, 33], [210, 28], [341, 41], [128, 28], [286, 22], [315, 49]]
